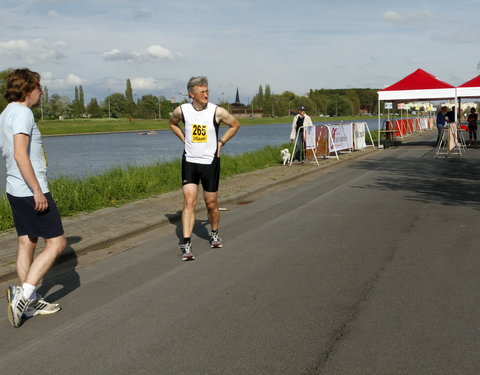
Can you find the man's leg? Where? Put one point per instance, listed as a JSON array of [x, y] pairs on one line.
[[439, 134], [23, 300], [44, 261], [26, 249], [213, 212], [297, 149], [212, 209], [190, 192]]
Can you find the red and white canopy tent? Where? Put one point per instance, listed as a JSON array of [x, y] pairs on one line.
[[470, 89], [416, 86]]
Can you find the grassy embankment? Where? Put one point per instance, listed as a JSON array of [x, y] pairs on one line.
[[121, 185]]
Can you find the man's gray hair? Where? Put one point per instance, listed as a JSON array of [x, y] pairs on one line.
[[197, 81]]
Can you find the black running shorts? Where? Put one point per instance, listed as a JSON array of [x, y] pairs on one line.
[[208, 174], [46, 224]]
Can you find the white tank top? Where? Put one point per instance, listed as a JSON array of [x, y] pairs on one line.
[[201, 133]]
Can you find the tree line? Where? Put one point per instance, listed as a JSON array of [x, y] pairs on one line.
[[116, 105], [326, 102], [322, 102]]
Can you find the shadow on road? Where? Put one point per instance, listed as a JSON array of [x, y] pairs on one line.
[[450, 181], [199, 229], [64, 274]]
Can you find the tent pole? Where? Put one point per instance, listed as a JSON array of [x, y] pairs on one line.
[[378, 111]]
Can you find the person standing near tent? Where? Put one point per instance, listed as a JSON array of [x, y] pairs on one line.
[[450, 115], [472, 127], [440, 123], [299, 121]]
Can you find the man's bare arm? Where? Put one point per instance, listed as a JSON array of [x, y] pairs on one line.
[[20, 145], [175, 120], [223, 116]]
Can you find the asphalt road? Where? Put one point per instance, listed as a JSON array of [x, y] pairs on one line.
[[368, 268]]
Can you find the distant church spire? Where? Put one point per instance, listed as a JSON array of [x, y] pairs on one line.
[[237, 98]]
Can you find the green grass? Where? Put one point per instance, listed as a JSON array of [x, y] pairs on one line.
[[121, 185], [6, 220]]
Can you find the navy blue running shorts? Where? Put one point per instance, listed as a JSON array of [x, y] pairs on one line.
[[46, 224]]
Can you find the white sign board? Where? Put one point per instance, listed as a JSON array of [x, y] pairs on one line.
[[359, 135], [342, 136], [310, 141]]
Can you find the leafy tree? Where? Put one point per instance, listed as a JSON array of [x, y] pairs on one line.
[[93, 109], [57, 106], [352, 96], [76, 104], [115, 105], [147, 107], [258, 100], [340, 106], [167, 107], [268, 102], [130, 104], [3, 77], [45, 97], [81, 100]]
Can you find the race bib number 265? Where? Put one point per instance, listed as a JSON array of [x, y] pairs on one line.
[[199, 133]]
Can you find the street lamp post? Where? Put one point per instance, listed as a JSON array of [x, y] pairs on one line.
[[41, 107], [159, 109], [108, 103]]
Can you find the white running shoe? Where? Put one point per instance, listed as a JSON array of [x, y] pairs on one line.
[[215, 240], [39, 306], [16, 305], [186, 250]]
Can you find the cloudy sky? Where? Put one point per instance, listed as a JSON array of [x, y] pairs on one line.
[[290, 45]]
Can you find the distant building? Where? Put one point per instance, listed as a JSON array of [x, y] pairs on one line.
[[240, 110]]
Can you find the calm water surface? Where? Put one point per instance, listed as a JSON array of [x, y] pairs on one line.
[[83, 155]]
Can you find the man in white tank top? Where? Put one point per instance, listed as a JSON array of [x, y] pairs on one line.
[[201, 157]]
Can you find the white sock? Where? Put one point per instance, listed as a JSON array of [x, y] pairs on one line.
[[28, 291]]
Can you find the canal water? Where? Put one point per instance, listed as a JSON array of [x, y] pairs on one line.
[[84, 155]]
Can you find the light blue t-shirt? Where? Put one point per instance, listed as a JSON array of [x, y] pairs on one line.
[[18, 119]]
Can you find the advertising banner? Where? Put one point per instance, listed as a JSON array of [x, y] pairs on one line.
[[359, 135], [322, 140], [310, 137], [342, 136]]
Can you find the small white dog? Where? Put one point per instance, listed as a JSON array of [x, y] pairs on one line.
[[285, 154]]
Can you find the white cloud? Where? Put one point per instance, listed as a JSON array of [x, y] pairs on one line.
[[152, 53], [14, 46], [141, 83], [38, 50], [53, 13], [414, 17], [159, 52], [71, 80]]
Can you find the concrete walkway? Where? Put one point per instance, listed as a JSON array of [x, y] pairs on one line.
[[102, 228]]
